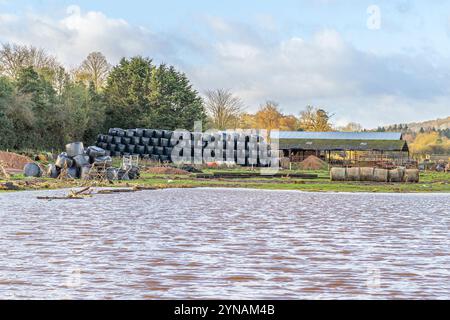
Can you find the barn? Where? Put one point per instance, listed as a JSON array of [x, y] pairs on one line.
[[344, 148]]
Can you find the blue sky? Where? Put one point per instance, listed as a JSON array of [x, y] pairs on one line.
[[320, 52]]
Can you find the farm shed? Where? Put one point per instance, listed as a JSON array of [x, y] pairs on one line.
[[345, 148]]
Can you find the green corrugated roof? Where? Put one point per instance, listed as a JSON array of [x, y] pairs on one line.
[[342, 145]]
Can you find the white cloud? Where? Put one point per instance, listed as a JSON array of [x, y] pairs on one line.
[[77, 34], [257, 64]]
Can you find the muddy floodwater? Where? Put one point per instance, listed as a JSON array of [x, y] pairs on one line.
[[217, 243]]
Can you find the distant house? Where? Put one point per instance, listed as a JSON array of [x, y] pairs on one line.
[[344, 147]]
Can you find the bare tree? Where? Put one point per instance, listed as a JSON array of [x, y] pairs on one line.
[[95, 68], [223, 108], [15, 57]]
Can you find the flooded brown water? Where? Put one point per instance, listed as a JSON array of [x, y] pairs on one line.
[[216, 243]]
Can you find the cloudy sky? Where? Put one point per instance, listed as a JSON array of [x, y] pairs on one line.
[[372, 62]]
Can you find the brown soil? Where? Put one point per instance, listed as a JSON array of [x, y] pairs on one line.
[[166, 170], [13, 160], [313, 163]]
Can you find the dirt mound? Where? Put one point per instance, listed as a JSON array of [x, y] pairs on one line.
[[313, 163], [13, 160], [166, 170]]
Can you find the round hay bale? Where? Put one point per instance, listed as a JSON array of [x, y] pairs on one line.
[[148, 133], [366, 174], [73, 172], [140, 149], [130, 132], [81, 160], [126, 140], [84, 172], [155, 142], [139, 132], [32, 170], [94, 152], [411, 175], [74, 149], [338, 174], [52, 171], [395, 175], [353, 174], [63, 161], [380, 175], [145, 141]]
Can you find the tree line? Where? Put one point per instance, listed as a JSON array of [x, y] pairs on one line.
[[43, 105]]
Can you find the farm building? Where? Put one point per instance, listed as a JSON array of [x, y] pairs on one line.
[[344, 148]]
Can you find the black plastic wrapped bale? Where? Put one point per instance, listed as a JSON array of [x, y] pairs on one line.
[[112, 147], [158, 134], [121, 147], [154, 157], [164, 158], [117, 140], [126, 140], [103, 161], [81, 160], [148, 133], [63, 161], [130, 132], [168, 151], [108, 153], [109, 139], [135, 140], [120, 132], [73, 172], [155, 142], [116, 154], [32, 170], [103, 145], [84, 172], [140, 149], [145, 156], [134, 173], [158, 151], [149, 149], [164, 142], [112, 131], [130, 148], [126, 154], [112, 174], [94, 152], [123, 175], [145, 141], [139, 132], [168, 134], [74, 149], [99, 138], [53, 171]]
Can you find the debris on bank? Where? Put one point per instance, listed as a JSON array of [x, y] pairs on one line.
[[91, 163]]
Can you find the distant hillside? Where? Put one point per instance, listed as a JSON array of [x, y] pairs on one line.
[[437, 124]]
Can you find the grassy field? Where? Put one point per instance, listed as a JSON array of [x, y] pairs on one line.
[[429, 182]]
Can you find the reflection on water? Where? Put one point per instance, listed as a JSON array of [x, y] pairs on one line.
[[215, 243]]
